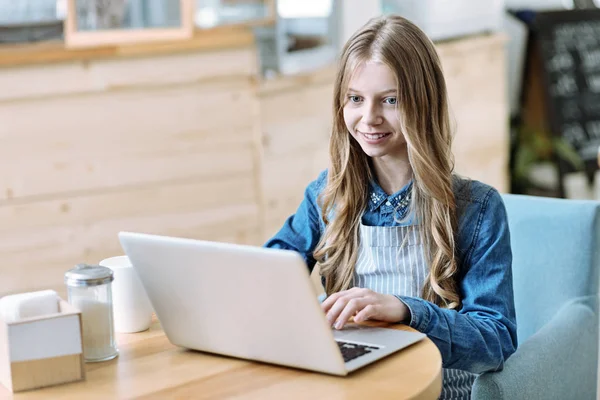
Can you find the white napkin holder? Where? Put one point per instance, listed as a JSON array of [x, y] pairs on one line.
[[43, 350]]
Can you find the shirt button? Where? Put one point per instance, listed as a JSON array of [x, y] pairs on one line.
[[387, 203]]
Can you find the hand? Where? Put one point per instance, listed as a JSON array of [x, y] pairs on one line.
[[363, 304]]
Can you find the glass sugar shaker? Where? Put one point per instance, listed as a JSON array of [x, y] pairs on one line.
[[90, 290]]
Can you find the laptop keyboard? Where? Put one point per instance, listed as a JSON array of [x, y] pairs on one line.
[[350, 351]]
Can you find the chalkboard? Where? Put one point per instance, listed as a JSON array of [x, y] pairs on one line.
[[569, 46]]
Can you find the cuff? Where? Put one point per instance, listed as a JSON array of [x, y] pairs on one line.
[[420, 314]]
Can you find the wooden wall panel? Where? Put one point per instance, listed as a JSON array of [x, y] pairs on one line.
[[164, 145], [122, 138], [101, 75], [296, 125], [40, 240], [478, 97]]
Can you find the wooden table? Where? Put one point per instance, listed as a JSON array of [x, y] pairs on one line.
[[150, 367]]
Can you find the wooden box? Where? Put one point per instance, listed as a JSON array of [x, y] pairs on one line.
[[42, 351]]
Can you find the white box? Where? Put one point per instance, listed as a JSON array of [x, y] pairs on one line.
[[42, 351], [447, 19]]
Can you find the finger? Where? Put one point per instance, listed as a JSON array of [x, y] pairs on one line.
[[352, 307], [353, 292], [330, 301], [336, 309], [368, 312]]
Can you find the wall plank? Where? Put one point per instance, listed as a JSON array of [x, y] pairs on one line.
[[296, 125], [481, 116], [165, 145], [124, 138], [65, 231], [101, 75]]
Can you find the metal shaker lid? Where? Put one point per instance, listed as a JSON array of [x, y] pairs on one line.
[[88, 275]]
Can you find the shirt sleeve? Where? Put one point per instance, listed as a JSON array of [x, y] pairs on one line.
[[482, 334], [302, 231]]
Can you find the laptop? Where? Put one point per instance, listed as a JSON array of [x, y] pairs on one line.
[[252, 303]]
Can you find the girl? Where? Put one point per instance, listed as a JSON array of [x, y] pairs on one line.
[[397, 236]]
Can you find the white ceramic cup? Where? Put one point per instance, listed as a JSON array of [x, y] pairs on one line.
[[131, 307]]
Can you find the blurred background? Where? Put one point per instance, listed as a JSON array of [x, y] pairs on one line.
[[207, 118]]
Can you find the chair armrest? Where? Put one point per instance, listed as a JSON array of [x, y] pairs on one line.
[[560, 361]]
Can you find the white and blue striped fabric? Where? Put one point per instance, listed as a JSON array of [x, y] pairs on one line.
[[391, 261]]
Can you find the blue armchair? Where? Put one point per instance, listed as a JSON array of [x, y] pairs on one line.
[[556, 259]]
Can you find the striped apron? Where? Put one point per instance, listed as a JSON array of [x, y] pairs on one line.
[[391, 261]]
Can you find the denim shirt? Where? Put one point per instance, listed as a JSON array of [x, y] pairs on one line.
[[482, 334]]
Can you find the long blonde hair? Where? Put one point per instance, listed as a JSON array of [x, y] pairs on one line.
[[424, 116]]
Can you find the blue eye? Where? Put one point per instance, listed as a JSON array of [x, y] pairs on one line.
[[391, 100], [354, 98]]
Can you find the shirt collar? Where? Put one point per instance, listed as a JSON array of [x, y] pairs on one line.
[[399, 200]]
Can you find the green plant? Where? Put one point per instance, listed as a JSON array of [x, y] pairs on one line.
[[534, 146]]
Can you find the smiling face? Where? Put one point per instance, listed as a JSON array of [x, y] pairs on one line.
[[371, 111]]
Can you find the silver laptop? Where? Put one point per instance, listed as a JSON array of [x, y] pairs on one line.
[[250, 302]]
